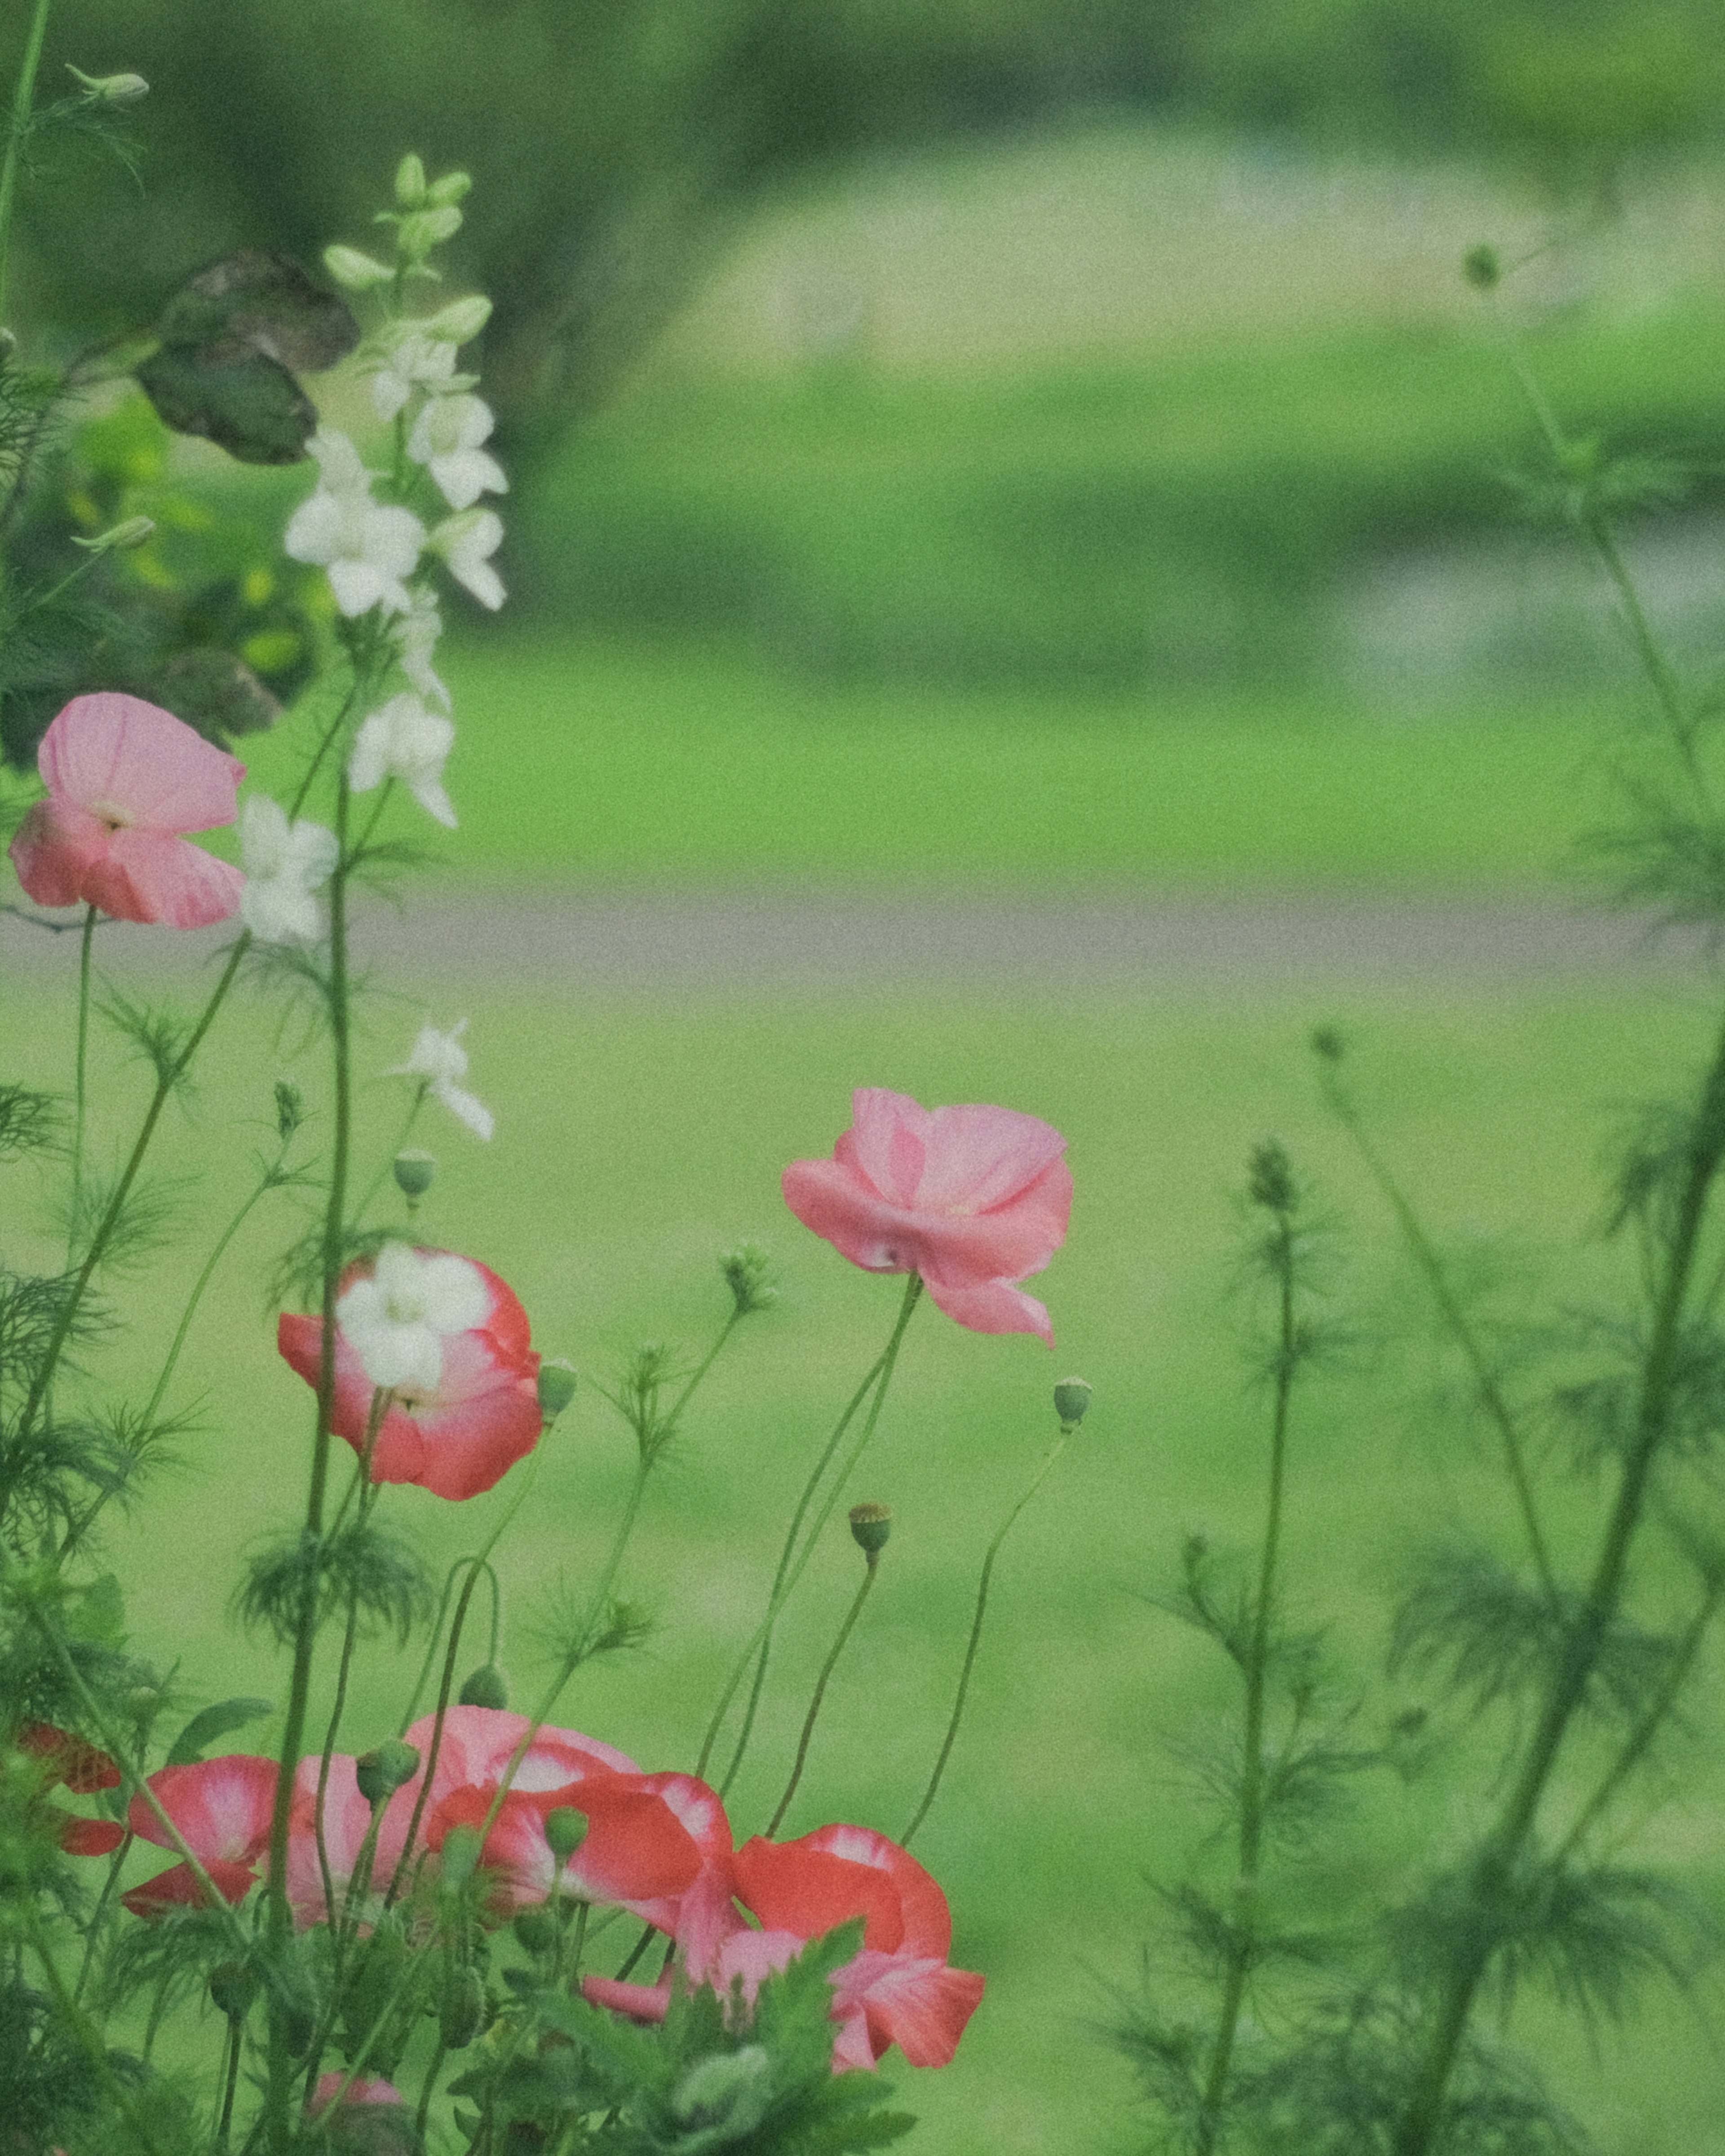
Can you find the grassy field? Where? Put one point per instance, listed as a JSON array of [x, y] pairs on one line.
[[636, 1138], [616, 764]]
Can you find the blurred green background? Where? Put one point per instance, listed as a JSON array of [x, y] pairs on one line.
[[982, 446]]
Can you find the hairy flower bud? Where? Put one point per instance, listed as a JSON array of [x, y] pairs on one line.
[[290, 1108], [410, 181], [356, 270], [460, 1856], [556, 1387], [871, 1525], [120, 538], [414, 1171], [233, 1986], [463, 2008], [485, 1687], [1071, 1399], [565, 1831], [537, 1929], [111, 89], [727, 2093], [381, 1773]]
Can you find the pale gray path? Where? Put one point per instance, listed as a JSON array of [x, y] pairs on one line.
[[810, 942]]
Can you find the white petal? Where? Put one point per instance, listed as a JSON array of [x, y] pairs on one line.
[[460, 1103], [432, 798], [314, 532], [369, 761], [464, 475], [280, 910], [262, 836], [456, 1298], [357, 585], [313, 853], [393, 542]]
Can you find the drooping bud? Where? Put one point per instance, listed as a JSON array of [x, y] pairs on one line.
[[537, 1929], [1482, 267], [871, 1525], [1071, 1399], [452, 187], [485, 1687], [463, 2008], [357, 271], [460, 320], [111, 89], [565, 1831], [415, 1172], [556, 1387], [120, 538], [410, 181], [233, 1986], [382, 1773]]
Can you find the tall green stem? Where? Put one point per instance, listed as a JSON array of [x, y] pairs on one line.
[[23, 98], [827, 1667], [790, 1564], [79, 1080]]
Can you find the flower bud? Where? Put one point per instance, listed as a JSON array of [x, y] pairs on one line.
[[111, 89], [556, 1387], [1482, 267], [415, 1172], [358, 272], [290, 1108], [233, 1986], [565, 1831], [726, 2094], [460, 320], [460, 1856], [485, 1687], [120, 538], [452, 187], [1328, 1045], [1071, 1399], [870, 1527], [381, 1773], [427, 229], [463, 2008], [410, 181], [537, 1929], [747, 1271]]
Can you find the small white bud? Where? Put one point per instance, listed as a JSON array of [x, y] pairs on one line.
[[410, 183], [357, 271], [461, 320], [111, 89]]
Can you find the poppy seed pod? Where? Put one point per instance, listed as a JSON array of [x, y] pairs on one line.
[[415, 1172], [556, 1387], [486, 1686], [871, 1525], [381, 1773], [565, 1831], [1071, 1399]]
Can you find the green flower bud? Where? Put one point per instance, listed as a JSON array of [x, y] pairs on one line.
[[728, 2091], [1071, 1399], [1482, 267], [746, 1270], [120, 538], [870, 1527], [460, 320], [556, 1387], [382, 1773], [111, 89], [234, 1985], [410, 181], [358, 272], [485, 1687], [565, 1831], [537, 1930], [462, 2011], [460, 1856], [414, 1171], [452, 187], [426, 229]]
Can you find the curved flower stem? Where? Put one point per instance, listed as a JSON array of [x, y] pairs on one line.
[[99, 1915], [976, 1630], [437, 1633], [791, 1561], [378, 1180], [99, 1242], [23, 97], [267, 1181], [381, 1398], [873, 1558], [80, 1095]]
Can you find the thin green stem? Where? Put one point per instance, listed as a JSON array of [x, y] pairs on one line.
[[88, 2038], [379, 1179], [1242, 1944], [427, 2089], [976, 1632], [827, 1668], [23, 98], [790, 1565], [98, 1915], [79, 1093], [1490, 1393], [236, 2041]]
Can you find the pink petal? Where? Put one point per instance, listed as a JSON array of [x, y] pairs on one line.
[[914, 2001], [222, 1807], [922, 1906], [180, 1887], [888, 1140], [990, 1307], [346, 1820], [459, 1451], [151, 876], [980, 1157], [641, 2002], [133, 762], [55, 847]]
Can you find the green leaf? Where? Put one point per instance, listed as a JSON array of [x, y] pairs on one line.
[[235, 396], [264, 301], [204, 1727], [98, 1614]]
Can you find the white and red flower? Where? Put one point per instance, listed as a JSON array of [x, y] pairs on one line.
[[223, 1810]]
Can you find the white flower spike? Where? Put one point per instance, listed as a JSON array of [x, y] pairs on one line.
[[396, 1320], [446, 440], [415, 635], [440, 1060], [406, 741], [366, 548], [466, 542], [284, 864], [414, 359]]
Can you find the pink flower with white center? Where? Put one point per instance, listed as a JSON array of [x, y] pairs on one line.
[[975, 1199], [223, 1809], [124, 778]]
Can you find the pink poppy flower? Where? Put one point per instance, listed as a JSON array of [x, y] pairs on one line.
[[359, 2091], [897, 1990], [975, 1199], [124, 778], [455, 1438], [223, 1809], [346, 1821]]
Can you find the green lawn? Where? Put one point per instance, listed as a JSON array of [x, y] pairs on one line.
[[615, 764], [636, 1137]]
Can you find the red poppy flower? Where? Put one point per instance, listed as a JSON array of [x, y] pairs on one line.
[[223, 1809], [975, 1199], [124, 778], [454, 1438], [72, 1762]]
